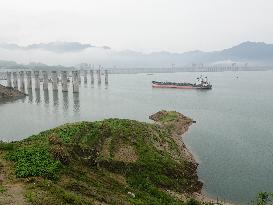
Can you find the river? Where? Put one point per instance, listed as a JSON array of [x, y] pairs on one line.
[[232, 139]]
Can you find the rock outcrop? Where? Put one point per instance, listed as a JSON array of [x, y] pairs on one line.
[[6, 92]]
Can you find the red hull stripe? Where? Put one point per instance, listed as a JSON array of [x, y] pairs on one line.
[[175, 86]]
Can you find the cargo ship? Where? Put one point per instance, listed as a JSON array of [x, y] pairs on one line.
[[201, 83]]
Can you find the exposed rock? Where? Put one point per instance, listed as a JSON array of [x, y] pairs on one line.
[[126, 153], [6, 92]]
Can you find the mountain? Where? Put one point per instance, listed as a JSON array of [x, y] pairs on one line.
[[58, 47], [250, 51], [74, 53], [253, 53]]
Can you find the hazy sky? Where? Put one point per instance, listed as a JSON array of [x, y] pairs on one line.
[[141, 25]]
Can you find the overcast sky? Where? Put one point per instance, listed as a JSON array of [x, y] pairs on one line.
[[141, 25]]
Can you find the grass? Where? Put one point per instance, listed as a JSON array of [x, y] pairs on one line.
[[66, 166], [2, 189], [6, 146], [170, 116]]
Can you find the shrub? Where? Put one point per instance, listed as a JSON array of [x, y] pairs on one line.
[[34, 161], [54, 139], [60, 153], [192, 201], [264, 198]]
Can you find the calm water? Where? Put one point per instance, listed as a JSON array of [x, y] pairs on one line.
[[232, 140]]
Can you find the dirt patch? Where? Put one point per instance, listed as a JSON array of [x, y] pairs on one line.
[[13, 194], [11, 191], [126, 153], [105, 152]]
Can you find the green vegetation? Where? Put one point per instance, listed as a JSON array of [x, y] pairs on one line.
[[2, 189], [170, 116], [112, 161], [34, 161], [6, 146], [264, 198]]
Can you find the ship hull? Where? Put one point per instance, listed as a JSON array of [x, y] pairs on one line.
[[181, 86]]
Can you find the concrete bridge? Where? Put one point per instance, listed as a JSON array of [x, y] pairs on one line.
[[19, 81], [195, 68]]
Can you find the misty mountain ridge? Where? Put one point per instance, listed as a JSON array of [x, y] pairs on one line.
[[256, 53], [52, 46], [73, 53]]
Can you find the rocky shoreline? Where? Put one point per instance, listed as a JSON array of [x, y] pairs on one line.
[[10, 93], [178, 124]]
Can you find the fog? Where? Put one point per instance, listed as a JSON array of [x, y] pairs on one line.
[[140, 25], [136, 30]]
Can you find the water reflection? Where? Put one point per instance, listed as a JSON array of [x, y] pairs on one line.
[[23, 100], [22, 88], [65, 102], [76, 101], [38, 96], [46, 97], [30, 95], [55, 98]]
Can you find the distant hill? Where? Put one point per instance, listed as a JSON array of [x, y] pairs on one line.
[[60, 46], [247, 52], [257, 51], [52, 46], [251, 53], [254, 53]]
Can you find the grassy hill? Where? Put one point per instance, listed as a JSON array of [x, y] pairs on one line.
[[114, 161]]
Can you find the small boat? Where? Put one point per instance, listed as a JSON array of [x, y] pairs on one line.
[[202, 83]]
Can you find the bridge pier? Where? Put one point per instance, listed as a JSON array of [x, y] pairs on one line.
[[29, 80], [37, 80], [99, 76], [15, 80], [75, 81], [106, 77], [85, 76], [45, 80], [54, 76], [92, 76], [9, 80], [79, 76], [22, 80], [64, 81]]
